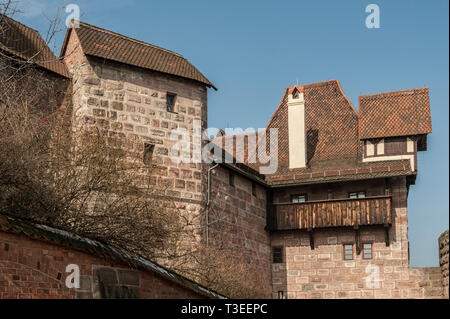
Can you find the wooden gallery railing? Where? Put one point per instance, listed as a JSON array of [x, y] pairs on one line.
[[330, 213]]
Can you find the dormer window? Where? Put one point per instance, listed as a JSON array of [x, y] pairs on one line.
[[295, 94]]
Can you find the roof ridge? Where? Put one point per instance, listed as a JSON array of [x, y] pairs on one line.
[[23, 25], [394, 93], [322, 83], [130, 39]]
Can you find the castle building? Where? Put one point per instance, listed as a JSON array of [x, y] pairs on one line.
[[331, 220]]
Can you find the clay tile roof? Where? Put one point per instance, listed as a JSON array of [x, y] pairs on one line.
[[334, 151], [397, 113], [27, 44], [109, 45]]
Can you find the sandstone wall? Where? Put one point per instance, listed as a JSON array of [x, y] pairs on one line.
[[238, 219], [323, 272], [130, 103], [443, 260]]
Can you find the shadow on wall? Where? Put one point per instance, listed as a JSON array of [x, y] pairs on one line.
[[312, 140]]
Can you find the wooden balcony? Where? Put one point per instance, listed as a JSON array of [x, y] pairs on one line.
[[330, 213]]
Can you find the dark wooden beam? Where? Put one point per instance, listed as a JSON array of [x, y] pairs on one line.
[[311, 238], [357, 239], [386, 234]]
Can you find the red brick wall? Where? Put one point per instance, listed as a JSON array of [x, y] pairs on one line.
[[29, 268]]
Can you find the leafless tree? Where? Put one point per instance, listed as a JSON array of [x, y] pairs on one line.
[[94, 182]]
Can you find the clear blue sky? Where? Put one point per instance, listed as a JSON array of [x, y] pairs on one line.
[[253, 50]]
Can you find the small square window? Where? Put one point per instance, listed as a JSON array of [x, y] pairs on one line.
[[348, 252], [277, 255], [231, 179], [148, 153], [254, 189], [367, 251], [300, 198], [355, 195], [170, 102]]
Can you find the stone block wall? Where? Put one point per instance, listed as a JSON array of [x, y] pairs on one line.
[[443, 260], [31, 268], [238, 218], [322, 272], [130, 104]]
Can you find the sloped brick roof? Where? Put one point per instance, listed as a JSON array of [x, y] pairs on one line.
[[113, 46], [399, 113], [27, 44]]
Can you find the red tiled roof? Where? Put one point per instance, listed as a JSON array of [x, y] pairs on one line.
[[397, 113], [27, 44], [334, 149], [109, 45], [331, 128]]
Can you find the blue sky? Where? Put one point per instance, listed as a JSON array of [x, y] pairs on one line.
[[253, 50]]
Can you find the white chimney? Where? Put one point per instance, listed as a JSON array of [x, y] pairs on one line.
[[297, 129]]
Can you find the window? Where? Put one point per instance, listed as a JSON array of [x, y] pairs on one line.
[[231, 178], [277, 255], [170, 102], [357, 195], [348, 252], [254, 189], [367, 251], [148, 153], [281, 294], [300, 198]]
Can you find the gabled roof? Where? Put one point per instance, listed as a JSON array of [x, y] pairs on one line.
[[102, 43], [334, 148], [27, 44], [399, 113], [59, 236], [331, 128]]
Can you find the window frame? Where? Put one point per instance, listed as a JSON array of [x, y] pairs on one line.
[[298, 195], [363, 250], [357, 194], [344, 250], [281, 255], [173, 103]]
